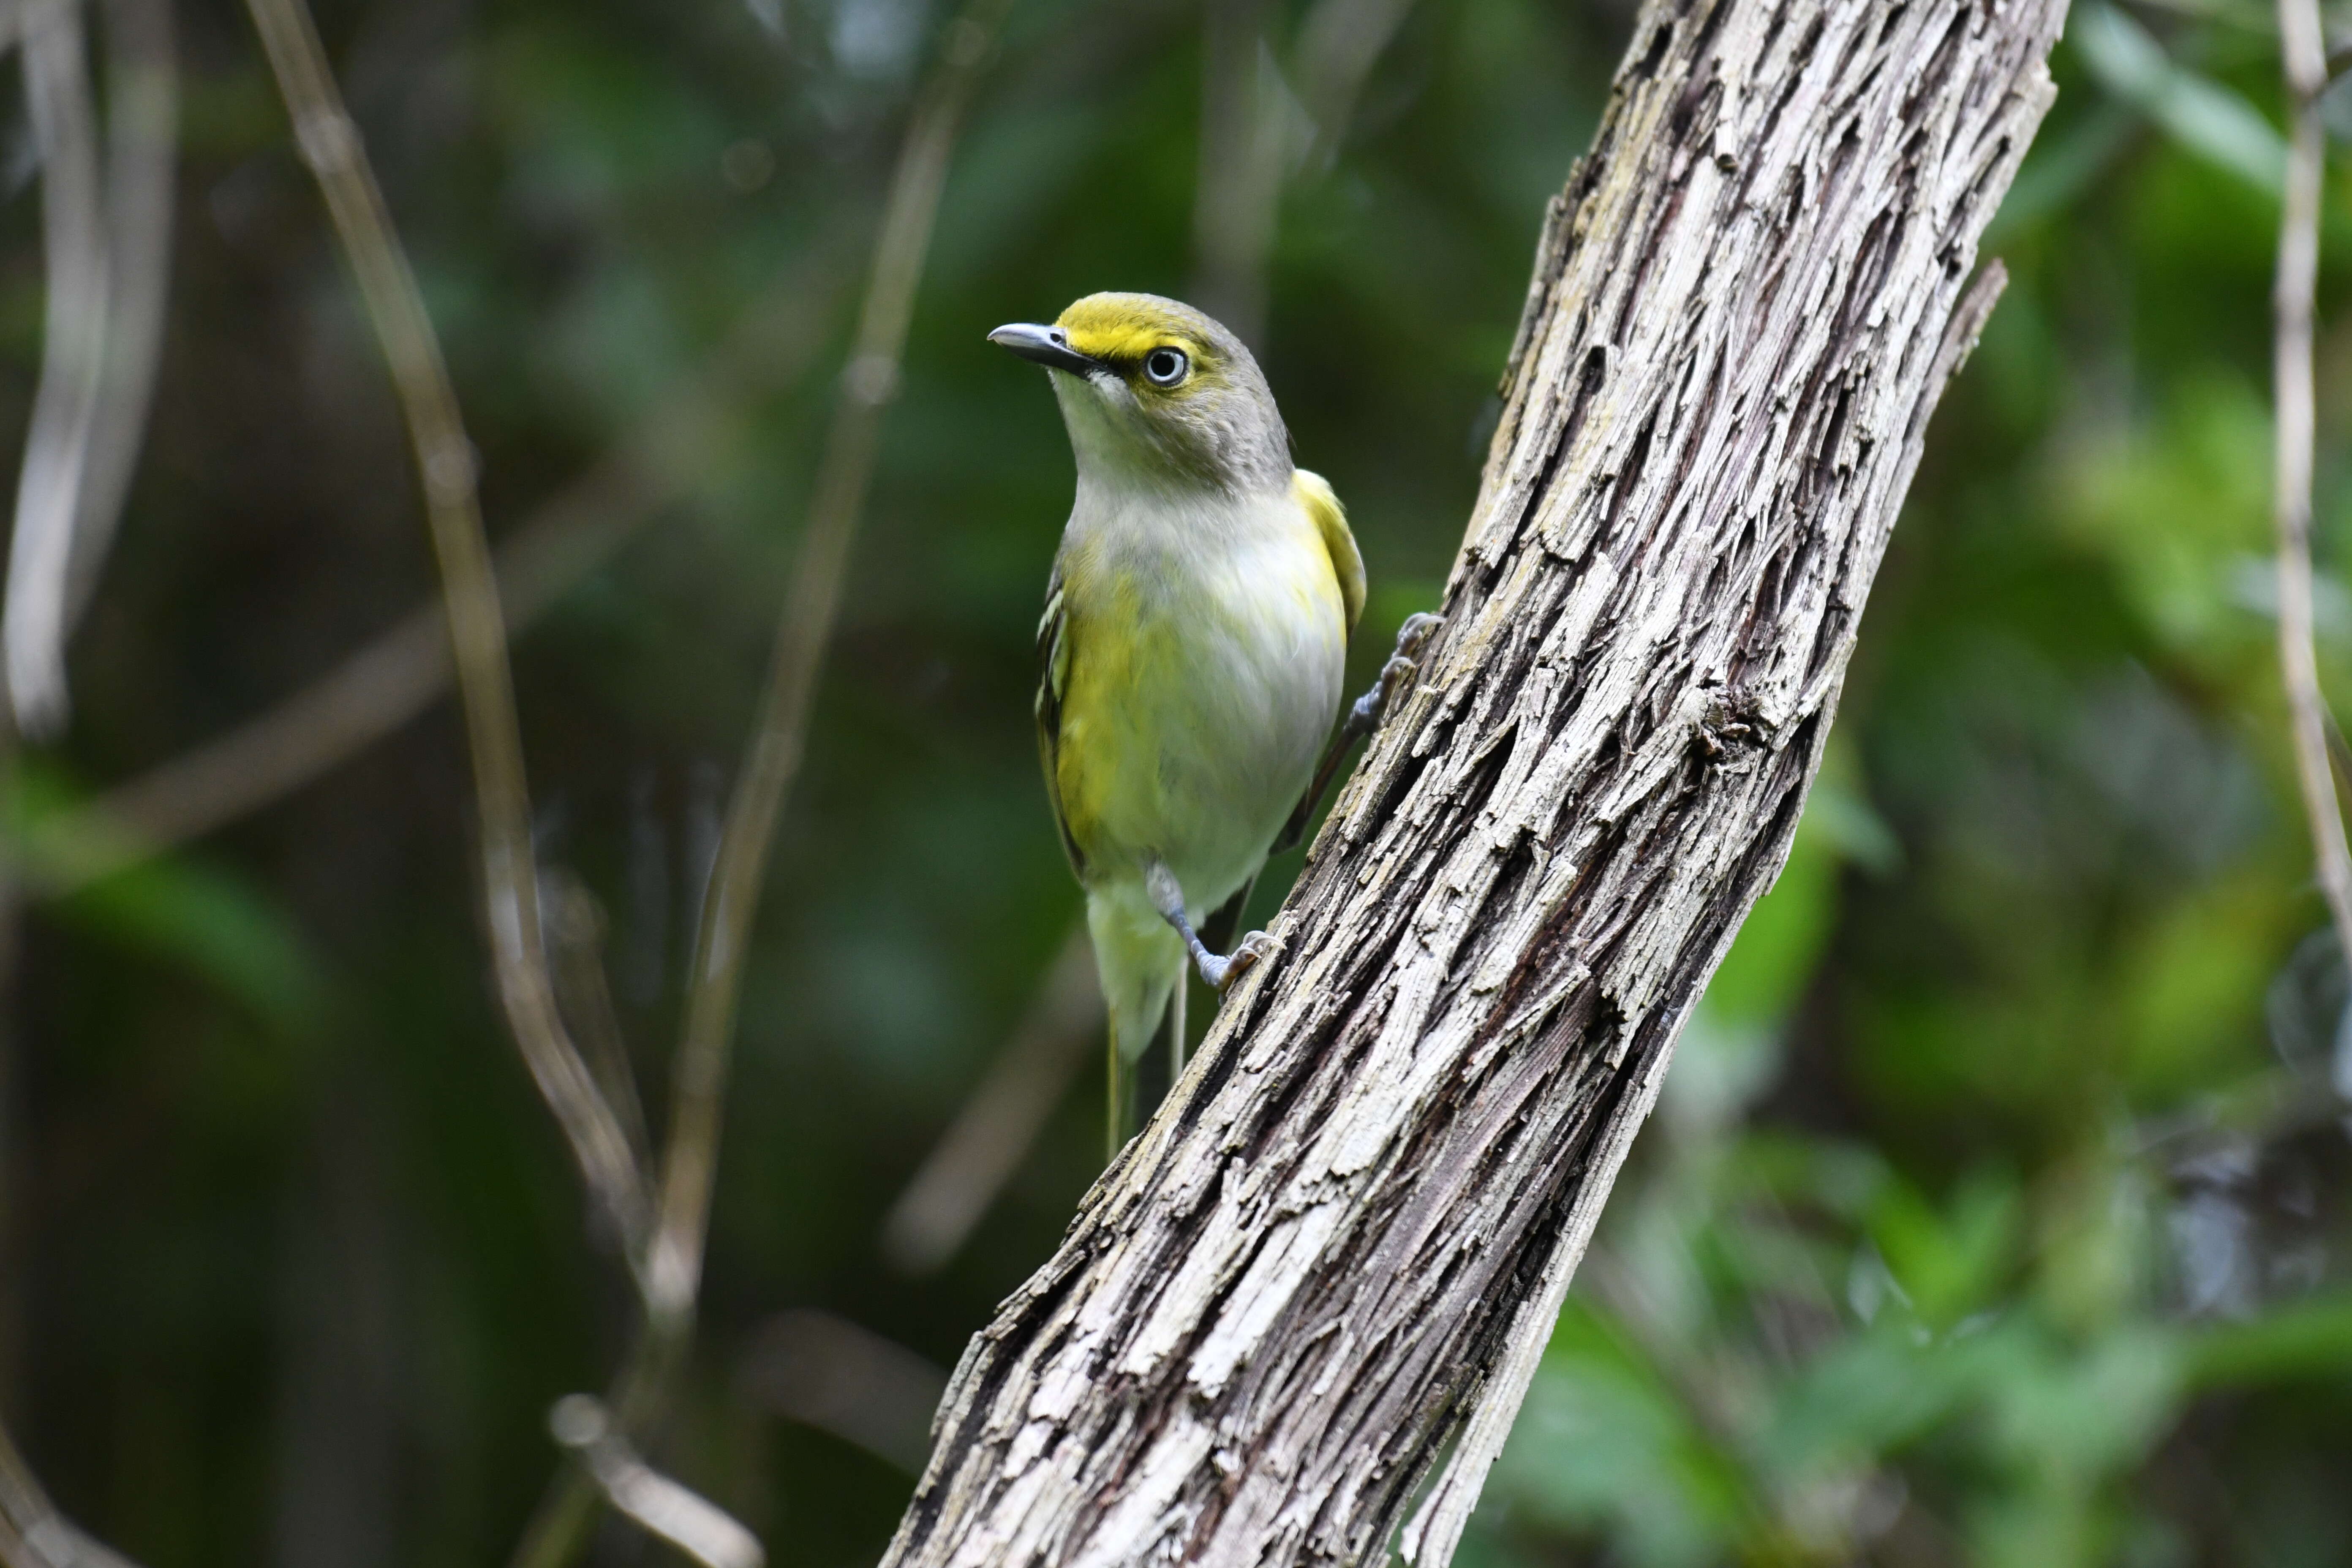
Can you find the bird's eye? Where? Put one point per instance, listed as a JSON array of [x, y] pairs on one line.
[[1165, 367]]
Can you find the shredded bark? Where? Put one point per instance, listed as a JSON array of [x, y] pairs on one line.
[[1340, 1248]]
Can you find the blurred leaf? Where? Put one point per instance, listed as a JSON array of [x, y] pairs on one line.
[[2306, 1339], [2172, 504], [2089, 1412], [207, 921], [1601, 1442], [2193, 982], [2095, 1238], [1950, 1263], [2199, 113], [1873, 1392]]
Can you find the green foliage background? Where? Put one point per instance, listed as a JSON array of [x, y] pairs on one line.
[[2000, 1209]]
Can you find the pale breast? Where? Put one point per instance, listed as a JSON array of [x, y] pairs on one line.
[[1205, 676]]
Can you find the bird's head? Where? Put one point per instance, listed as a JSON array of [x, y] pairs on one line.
[[1154, 392]]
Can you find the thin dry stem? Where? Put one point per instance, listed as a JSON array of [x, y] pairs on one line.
[[63, 116], [2304, 59], [698, 1076], [142, 164], [33, 1533], [390, 681], [1249, 123], [985, 1144], [810, 1366], [685, 1519], [576, 935], [330, 144], [846, 471], [1339, 44], [1256, 133]]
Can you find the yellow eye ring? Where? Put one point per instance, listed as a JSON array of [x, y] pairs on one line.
[[1166, 367]]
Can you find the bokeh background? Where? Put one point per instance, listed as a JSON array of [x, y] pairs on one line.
[[1999, 1207]]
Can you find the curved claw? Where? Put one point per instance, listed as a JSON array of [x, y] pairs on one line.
[[1415, 634], [1251, 951], [1397, 674]]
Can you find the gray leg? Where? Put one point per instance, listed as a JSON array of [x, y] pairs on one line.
[[1220, 972]]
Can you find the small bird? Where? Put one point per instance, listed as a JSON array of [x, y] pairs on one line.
[[1193, 649]]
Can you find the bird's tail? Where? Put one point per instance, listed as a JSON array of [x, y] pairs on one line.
[[1141, 961]]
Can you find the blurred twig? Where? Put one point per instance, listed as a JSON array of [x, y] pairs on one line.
[[868, 384], [828, 1372], [695, 1526], [142, 110], [1249, 124], [396, 676], [984, 1145], [1339, 44], [33, 1533], [1255, 133], [98, 364], [107, 243], [58, 101], [330, 144], [576, 930], [2303, 59], [673, 1274]]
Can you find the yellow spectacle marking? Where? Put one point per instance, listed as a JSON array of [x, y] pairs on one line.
[[1120, 327]]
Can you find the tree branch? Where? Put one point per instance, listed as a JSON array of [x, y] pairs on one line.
[[62, 110], [868, 384], [1341, 1244], [671, 1280], [329, 144], [2304, 59], [33, 1533], [652, 468]]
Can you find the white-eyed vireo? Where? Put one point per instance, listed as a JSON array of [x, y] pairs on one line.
[[1193, 644]]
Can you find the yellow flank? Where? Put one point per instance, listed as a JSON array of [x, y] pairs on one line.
[[1117, 652], [1322, 504], [1155, 701]]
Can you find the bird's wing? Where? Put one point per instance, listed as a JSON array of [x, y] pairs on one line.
[[1052, 677], [1314, 493]]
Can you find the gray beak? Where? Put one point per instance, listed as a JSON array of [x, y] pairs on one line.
[[1048, 346]]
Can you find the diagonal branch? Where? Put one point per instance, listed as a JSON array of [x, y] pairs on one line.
[[671, 1281], [330, 144], [33, 1533], [1336, 1253], [986, 1142], [391, 679], [2304, 57], [843, 475]]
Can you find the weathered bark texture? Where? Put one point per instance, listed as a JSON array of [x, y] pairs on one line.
[[1342, 1242]]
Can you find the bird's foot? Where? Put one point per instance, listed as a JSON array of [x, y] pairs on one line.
[[1247, 955], [1218, 972], [1412, 638]]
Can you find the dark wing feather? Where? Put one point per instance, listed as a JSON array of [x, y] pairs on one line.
[[1053, 676]]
